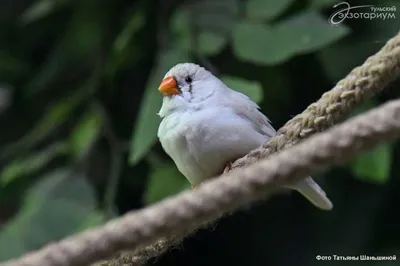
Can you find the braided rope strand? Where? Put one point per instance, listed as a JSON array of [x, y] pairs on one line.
[[333, 106], [221, 195]]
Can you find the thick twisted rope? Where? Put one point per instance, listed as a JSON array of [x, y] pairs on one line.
[[222, 195], [334, 106], [361, 83]]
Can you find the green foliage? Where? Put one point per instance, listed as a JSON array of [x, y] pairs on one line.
[[164, 180], [207, 34], [124, 49], [85, 33], [374, 166], [267, 50], [86, 132], [323, 3], [211, 43], [355, 49], [302, 33], [252, 89], [266, 9], [55, 207], [40, 9], [31, 164]]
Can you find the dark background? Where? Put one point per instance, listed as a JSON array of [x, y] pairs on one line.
[[78, 104]]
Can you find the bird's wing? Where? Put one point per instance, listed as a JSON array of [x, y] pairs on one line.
[[244, 107]]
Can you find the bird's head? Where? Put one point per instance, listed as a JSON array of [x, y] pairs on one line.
[[187, 84]]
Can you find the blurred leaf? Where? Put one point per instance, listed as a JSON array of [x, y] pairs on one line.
[[374, 165], [86, 132], [309, 31], [40, 9], [258, 43], [57, 206], [10, 65], [217, 16], [180, 29], [211, 43], [252, 89], [209, 40], [266, 9], [164, 180], [124, 46], [31, 164], [323, 3], [340, 58], [303, 33], [76, 50], [124, 38], [57, 114], [145, 130], [6, 96]]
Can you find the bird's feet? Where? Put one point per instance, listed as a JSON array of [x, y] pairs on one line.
[[227, 168]]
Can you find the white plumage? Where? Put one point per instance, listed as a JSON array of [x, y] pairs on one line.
[[206, 125]]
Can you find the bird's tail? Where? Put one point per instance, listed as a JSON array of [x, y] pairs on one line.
[[314, 193]]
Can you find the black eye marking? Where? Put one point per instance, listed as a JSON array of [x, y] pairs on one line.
[[188, 79]]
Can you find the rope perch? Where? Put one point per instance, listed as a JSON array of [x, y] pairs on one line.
[[222, 195], [334, 106]]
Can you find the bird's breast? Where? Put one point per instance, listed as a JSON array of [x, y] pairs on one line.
[[177, 135]]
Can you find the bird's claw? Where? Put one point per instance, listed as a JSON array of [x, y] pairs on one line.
[[227, 168]]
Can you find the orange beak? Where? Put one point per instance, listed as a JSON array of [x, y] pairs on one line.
[[169, 87]]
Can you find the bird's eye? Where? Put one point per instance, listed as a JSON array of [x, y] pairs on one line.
[[188, 79]]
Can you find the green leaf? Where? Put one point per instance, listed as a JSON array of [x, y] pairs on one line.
[[180, 29], [122, 41], [124, 49], [252, 89], [31, 164], [57, 206], [303, 33], [145, 130], [10, 65], [56, 114], [217, 16], [164, 180], [40, 9], [309, 32], [211, 43], [373, 166], [86, 132], [209, 40], [340, 58], [258, 43], [319, 4], [266, 9], [76, 50]]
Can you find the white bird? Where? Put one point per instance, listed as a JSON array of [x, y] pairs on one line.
[[206, 125]]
